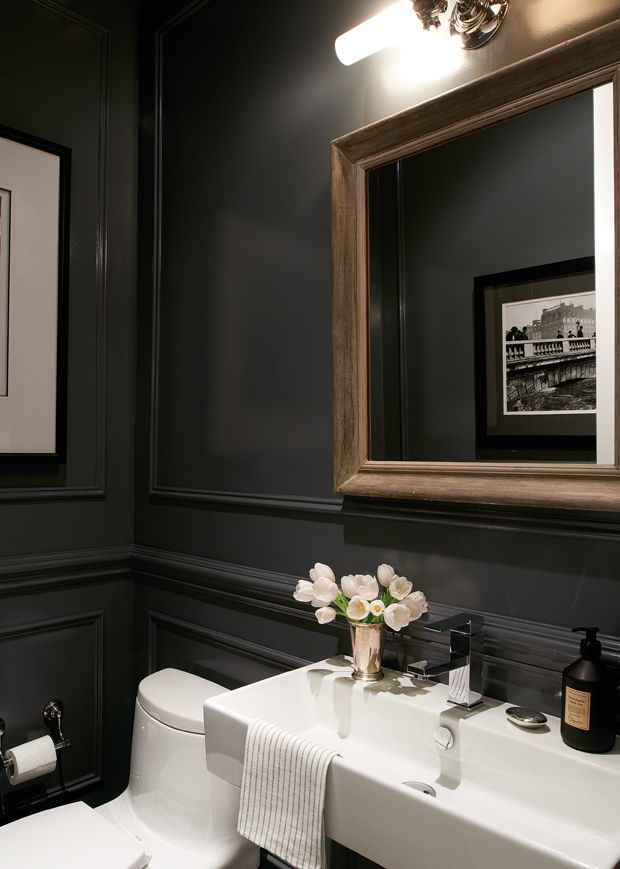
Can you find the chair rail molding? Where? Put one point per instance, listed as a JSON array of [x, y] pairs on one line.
[[509, 643], [51, 570]]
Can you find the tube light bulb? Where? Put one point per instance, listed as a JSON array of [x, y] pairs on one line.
[[429, 57], [384, 29]]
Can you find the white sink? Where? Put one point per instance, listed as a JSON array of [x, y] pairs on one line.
[[505, 798]]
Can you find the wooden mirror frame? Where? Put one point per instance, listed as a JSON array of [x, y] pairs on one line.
[[582, 63]]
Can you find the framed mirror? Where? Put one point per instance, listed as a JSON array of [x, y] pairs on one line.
[[475, 290]]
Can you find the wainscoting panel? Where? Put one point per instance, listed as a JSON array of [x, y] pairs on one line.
[[191, 612], [231, 661], [236, 624], [31, 673], [65, 632], [236, 412]]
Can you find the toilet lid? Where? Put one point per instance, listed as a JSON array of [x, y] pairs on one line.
[[68, 837], [175, 698]]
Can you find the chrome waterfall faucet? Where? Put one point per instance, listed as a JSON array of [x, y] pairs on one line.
[[464, 664]]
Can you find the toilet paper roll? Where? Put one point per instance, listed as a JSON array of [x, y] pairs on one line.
[[31, 759]]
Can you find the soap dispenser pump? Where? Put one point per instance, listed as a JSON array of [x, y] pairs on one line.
[[588, 699]]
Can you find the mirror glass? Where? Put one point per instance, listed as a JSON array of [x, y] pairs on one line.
[[491, 310]]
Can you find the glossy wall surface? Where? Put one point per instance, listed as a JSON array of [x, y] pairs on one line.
[[234, 499], [67, 75], [233, 488], [237, 482]]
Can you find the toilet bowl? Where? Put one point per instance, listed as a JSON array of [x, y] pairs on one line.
[[173, 814]]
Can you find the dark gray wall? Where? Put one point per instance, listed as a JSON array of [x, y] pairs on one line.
[[234, 499], [237, 502], [67, 75]]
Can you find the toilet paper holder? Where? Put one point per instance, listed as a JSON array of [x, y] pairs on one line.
[[53, 713]]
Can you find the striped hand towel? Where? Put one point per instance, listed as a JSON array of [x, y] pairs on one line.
[[283, 794]]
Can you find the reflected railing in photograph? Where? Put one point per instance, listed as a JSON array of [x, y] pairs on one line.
[[517, 351]]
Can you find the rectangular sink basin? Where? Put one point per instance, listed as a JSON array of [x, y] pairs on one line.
[[505, 798]]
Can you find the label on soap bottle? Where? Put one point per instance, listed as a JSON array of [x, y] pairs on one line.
[[577, 708]]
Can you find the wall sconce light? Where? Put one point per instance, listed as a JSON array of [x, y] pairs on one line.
[[472, 23], [428, 11]]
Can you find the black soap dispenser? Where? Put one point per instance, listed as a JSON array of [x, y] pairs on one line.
[[588, 699]]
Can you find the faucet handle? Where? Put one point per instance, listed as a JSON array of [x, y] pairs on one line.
[[461, 623]]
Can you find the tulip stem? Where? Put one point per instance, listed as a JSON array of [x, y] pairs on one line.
[[342, 603]]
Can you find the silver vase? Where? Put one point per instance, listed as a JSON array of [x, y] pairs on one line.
[[367, 642]]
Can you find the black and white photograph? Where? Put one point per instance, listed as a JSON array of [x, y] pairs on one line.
[[550, 355], [536, 350]]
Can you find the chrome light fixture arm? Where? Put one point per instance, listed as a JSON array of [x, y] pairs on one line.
[[473, 22], [428, 11]]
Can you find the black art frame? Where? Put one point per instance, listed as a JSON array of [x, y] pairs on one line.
[[534, 438], [64, 197]]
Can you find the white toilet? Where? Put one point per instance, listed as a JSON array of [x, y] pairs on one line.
[[173, 815]]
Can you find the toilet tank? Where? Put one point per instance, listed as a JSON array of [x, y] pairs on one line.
[[170, 788]]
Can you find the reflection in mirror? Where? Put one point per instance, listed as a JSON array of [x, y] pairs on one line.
[[491, 292]]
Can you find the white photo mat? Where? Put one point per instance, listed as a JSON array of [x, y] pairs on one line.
[[29, 291]]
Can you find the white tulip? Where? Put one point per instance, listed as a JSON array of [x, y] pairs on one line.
[[397, 616], [400, 587], [377, 607], [349, 586], [368, 587], [320, 570], [324, 591], [416, 604], [304, 591], [325, 614], [362, 586], [358, 608], [385, 574]]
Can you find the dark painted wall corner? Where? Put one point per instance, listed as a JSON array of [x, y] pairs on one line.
[[68, 74]]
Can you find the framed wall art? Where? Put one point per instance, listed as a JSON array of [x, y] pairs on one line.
[[535, 346], [34, 219]]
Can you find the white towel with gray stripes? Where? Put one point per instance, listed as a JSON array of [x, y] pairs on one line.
[[283, 795]]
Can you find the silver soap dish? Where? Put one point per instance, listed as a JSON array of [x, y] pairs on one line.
[[530, 719]]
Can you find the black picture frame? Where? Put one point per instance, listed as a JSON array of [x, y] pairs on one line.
[[501, 436], [58, 455]]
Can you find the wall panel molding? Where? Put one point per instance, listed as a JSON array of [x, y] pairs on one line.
[[233, 582], [98, 489], [559, 523], [27, 573], [511, 646], [92, 620], [210, 637], [247, 500], [224, 499], [567, 523], [509, 640]]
